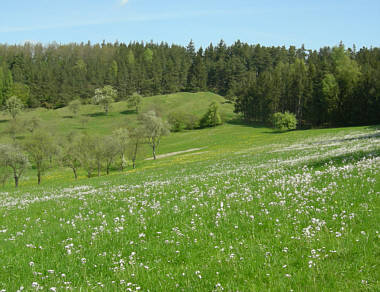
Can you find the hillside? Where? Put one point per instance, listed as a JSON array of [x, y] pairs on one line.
[[62, 122], [237, 207], [254, 210]]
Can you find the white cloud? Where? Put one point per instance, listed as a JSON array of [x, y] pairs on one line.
[[123, 2]]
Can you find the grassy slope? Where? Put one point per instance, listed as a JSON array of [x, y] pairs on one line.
[[254, 210]]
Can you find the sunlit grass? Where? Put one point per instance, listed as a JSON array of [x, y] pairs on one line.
[[252, 211]]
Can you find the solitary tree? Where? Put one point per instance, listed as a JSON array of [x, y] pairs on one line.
[[13, 106], [286, 121], [212, 117], [105, 97], [154, 128], [40, 147], [134, 101], [74, 106], [13, 157], [121, 137]]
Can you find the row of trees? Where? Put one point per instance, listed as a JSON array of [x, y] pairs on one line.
[[91, 153], [332, 86]]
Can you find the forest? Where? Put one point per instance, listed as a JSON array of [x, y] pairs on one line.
[[334, 86]]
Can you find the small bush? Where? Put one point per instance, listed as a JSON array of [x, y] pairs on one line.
[[212, 117], [284, 121]]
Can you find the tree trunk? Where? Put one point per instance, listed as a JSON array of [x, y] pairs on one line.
[[154, 151], [122, 162], [108, 169], [16, 181], [75, 173], [133, 163], [98, 169], [39, 177]]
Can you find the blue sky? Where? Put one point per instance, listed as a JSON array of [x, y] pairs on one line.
[[315, 23]]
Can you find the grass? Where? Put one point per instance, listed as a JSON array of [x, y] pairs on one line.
[[252, 211]]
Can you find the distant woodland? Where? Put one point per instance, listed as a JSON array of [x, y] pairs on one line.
[[330, 87]]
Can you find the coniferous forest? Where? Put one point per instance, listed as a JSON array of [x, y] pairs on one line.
[[329, 87]]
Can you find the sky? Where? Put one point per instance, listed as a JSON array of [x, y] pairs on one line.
[[314, 23]]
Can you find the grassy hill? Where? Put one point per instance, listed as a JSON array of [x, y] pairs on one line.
[[251, 210], [62, 122]]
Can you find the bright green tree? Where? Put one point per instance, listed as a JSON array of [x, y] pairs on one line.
[[105, 97], [155, 128], [284, 121], [13, 157], [212, 117], [13, 106], [40, 147]]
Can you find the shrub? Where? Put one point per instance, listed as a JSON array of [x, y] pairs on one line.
[[284, 121], [212, 117], [180, 121]]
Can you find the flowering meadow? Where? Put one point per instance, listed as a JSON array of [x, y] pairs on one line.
[[293, 215]]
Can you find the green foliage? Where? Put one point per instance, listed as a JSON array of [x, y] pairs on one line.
[[284, 121], [154, 129], [12, 157], [13, 106], [74, 106], [121, 138], [134, 101], [212, 117], [180, 121], [105, 97], [41, 147], [260, 80]]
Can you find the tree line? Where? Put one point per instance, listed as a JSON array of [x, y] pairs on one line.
[[328, 87], [42, 149]]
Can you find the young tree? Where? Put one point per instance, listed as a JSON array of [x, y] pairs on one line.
[[154, 128], [105, 97], [121, 137], [74, 106], [12, 156], [71, 154], [134, 101], [212, 117], [283, 122], [40, 147], [136, 139], [13, 106]]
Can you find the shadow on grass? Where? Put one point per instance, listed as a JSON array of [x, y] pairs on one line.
[[67, 117], [128, 112], [242, 122], [373, 127], [344, 158], [3, 121], [98, 114]]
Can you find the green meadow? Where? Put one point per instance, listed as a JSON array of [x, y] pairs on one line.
[[238, 208]]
